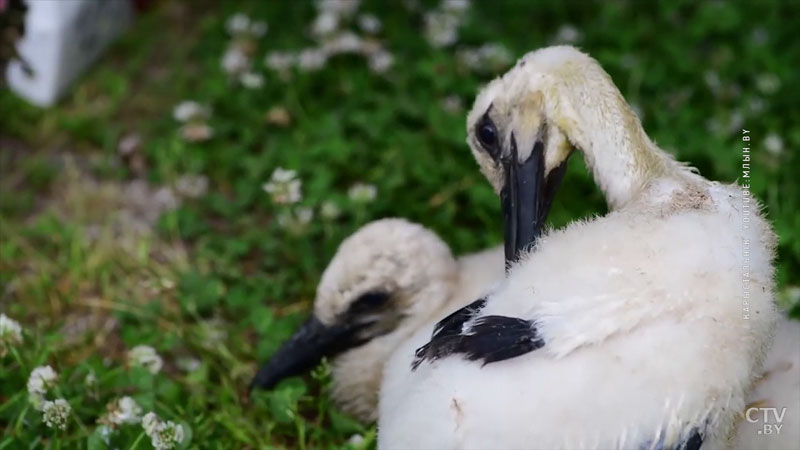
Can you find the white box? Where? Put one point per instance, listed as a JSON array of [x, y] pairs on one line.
[[62, 37]]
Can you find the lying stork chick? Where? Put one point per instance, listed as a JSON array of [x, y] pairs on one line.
[[385, 282], [641, 329]]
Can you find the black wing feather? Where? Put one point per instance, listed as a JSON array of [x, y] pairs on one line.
[[490, 338]]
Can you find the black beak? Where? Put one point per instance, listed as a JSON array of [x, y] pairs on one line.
[[305, 349], [526, 198]]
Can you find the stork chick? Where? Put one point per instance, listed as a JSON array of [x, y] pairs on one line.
[[630, 330], [385, 281]]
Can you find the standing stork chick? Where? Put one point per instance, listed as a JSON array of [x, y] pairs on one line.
[[632, 330], [385, 281]]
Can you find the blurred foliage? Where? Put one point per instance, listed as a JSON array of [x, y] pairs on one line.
[[221, 281]]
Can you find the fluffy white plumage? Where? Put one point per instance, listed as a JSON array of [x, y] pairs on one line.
[[647, 338]]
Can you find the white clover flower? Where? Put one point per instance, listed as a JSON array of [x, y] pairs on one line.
[[196, 132], [713, 82], [325, 24], [768, 83], [192, 186], [164, 435], [441, 29], [105, 433], [252, 80], [237, 24], [756, 105], [452, 104], [296, 220], [188, 364], [189, 110], [341, 8], [284, 187], [123, 411], [56, 413], [488, 58], [258, 28], [41, 379], [568, 34], [311, 59], [381, 61], [774, 144], [329, 210], [304, 215], [344, 42], [279, 61], [234, 60], [362, 192], [356, 440], [150, 423], [145, 356], [10, 334], [90, 380], [369, 23], [455, 6]]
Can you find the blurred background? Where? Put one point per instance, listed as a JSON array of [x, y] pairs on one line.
[[197, 163]]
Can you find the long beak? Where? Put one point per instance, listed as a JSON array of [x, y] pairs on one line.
[[304, 350], [526, 198]]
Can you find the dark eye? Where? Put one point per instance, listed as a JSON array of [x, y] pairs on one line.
[[369, 301], [487, 135]]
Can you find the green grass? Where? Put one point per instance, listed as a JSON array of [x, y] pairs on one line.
[[217, 283]]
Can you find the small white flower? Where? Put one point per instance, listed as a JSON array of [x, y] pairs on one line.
[[369, 23], [189, 110], [164, 435], [768, 83], [713, 82], [329, 210], [129, 144], [441, 29], [356, 439], [192, 186], [237, 24], [258, 28], [774, 144], [296, 220], [252, 80], [55, 413], [341, 8], [123, 411], [325, 24], [105, 433], [567, 34], [311, 59], [188, 364], [10, 334], [488, 58], [41, 379], [150, 423], [196, 132], [455, 6], [381, 61], [284, 187], [756, 105], [279, 60], [145, 356], [235, 61], [344, 42], [362, 193], [90, 380], [452, 104], [304, 215]]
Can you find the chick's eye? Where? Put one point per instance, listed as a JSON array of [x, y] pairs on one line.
[[487, 135]]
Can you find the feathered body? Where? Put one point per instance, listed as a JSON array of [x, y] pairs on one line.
[[649, 339]]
